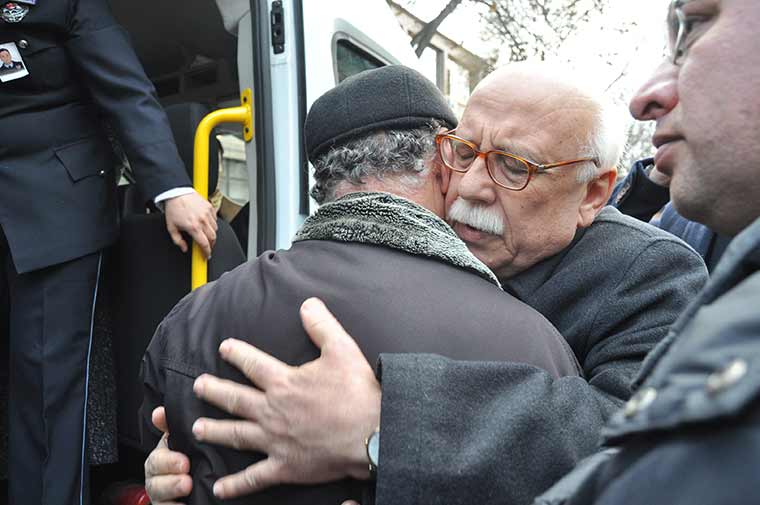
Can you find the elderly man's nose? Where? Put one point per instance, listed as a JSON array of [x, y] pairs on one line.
[[658, 96], [476, 184]]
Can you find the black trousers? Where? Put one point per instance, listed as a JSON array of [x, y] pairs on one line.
[[46, 319]]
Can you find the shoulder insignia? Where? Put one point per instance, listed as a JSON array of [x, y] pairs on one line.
[[13, 12]]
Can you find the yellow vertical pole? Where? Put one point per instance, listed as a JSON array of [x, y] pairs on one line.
[[243, 115]]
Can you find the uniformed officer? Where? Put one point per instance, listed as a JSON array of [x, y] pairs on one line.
[[58, 211]]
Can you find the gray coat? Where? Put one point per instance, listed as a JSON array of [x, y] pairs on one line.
[[466, 433], [691, 435], [398, 279]]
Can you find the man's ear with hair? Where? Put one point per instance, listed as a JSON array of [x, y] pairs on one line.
[[598, 192], [444, 173], [441, 170]]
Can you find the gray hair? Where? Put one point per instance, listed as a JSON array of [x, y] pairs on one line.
[[606, 141], [404, 155]]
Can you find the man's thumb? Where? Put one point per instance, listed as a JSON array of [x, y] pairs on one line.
[[321, 325]]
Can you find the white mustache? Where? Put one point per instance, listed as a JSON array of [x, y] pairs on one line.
[[482, 218]]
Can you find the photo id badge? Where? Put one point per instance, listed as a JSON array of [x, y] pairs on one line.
[[12, 66]]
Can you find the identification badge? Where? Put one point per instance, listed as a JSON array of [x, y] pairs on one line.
[[13, 12], [12, 66]]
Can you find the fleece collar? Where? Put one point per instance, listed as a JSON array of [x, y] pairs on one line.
[[386, 220]]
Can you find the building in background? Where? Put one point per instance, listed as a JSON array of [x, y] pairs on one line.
[[455, 70]]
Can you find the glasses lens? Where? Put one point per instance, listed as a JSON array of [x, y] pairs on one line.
[[456, 154], [673, 25], [510, 172], [678, 30]]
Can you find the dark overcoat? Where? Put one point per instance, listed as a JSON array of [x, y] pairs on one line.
[[691, 435]]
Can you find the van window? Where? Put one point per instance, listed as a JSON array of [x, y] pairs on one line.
[[351, 60]]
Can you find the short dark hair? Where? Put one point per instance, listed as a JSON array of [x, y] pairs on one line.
[[4, 50]]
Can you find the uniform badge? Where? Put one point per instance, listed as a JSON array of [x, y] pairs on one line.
[[13, 12], [12, 65]]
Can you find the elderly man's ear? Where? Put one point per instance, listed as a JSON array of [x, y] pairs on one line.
[[443, 173], [598, 192]]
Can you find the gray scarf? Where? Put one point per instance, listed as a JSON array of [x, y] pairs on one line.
[[387, 220]]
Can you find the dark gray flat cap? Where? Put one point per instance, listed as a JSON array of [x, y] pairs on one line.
[[392, 97]]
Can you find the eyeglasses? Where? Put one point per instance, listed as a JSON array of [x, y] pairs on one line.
[[507, 170], [681, 32]]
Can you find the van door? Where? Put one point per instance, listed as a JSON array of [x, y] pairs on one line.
[[301, 49]]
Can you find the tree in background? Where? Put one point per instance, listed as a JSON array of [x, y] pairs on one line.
[[529, 28], [536, 28]]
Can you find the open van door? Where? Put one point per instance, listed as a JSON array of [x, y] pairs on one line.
[[290, 52]]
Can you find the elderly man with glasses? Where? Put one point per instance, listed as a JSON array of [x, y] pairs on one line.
[[527, 174]]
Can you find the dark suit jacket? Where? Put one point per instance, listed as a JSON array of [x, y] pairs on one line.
[[57, 177], [389, 300]]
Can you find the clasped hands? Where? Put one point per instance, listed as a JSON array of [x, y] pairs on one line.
[[310, 420]]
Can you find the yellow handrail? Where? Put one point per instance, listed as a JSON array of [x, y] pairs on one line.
[[243, 115]]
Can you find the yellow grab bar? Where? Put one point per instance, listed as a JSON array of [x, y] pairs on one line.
[[243, 115]]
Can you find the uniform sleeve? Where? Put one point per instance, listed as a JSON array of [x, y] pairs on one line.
[[112, 74], [492, 433]]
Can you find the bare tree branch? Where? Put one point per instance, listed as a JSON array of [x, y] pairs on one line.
[[422, 39]]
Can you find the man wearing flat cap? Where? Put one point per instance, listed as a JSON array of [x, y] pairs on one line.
[[379, 255]]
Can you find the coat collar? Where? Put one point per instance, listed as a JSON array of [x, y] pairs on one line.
[[390, 221]]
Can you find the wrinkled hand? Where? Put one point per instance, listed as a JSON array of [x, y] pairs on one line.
[[192, 214], [166, 471], [310, 420], [659, 178]]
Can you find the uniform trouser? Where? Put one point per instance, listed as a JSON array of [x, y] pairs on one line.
[[47, 319]]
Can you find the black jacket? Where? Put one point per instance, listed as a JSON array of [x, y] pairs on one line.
[[57, 176], [389, 298], [691, 435]]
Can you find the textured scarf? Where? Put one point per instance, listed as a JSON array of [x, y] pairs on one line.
[[386, 220]]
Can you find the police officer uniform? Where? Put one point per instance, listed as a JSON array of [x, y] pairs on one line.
[[58, 210]]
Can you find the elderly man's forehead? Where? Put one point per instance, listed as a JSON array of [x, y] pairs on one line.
[[541, 104]]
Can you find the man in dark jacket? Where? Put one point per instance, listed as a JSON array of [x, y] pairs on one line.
[[393, 270], [611, 284], [691, 435], [58, 212]]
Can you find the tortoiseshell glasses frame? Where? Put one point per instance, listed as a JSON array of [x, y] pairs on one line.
[[507, 170]]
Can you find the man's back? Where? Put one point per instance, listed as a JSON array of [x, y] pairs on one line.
[[391, 300]]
